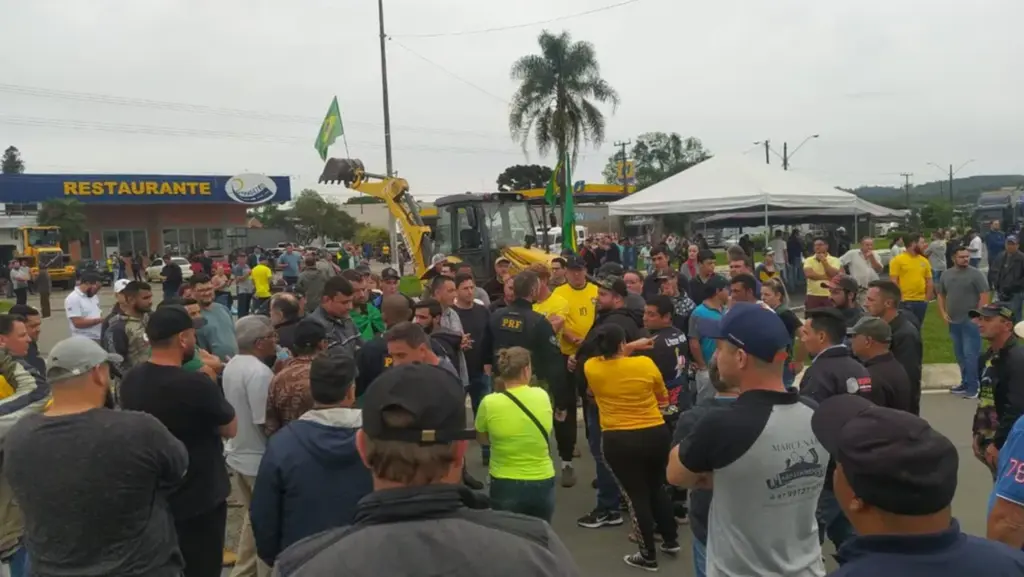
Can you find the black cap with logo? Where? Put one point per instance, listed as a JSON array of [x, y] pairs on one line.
[[614, 284], [575, 262], [389, 274], [308, 333], [435, 400], [165, 322], [996, 309]]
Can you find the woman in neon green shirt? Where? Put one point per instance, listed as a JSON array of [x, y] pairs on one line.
[[516, 422]]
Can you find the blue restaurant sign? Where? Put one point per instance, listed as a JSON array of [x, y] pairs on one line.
[[251, 189]]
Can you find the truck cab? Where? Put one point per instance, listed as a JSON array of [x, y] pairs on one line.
[[477, 228]]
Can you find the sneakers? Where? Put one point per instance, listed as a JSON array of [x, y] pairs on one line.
[[598, 518], [670, 547], [958, 390], [568, 476], [973, 395], [640, 562]]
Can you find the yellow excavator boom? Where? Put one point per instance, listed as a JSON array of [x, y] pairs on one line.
[[394, 192]]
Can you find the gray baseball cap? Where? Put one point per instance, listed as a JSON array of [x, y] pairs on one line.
[[873, 328], [76, 356]]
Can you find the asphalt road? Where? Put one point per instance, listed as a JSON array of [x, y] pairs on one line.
[[600, 551]]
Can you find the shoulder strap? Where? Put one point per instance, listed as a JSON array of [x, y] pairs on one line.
[[536, 421]]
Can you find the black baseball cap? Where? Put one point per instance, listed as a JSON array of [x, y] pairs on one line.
[[848, 284], [996, 309], [308, 333], [91, 277], [165, 322], [337, 372], [575, 262], [389, 274], [893, 460], [434, 398], [614, 284], [610, 269]]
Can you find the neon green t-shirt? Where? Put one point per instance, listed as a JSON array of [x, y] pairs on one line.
[[518, 451]]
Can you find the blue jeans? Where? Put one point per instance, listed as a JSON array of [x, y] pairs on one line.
[[975, 262], [608, 496], [18, 563], [967, 348], [832, 522], [700, 558], [1015, 301], [244, 299], [533, 498], [479, 387], [917, 308], [935, 276]]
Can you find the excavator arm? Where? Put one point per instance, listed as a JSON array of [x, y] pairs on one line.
[[395, 193]]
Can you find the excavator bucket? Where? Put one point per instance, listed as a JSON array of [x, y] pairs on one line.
[[341, 171]]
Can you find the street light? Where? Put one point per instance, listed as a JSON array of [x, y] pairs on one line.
[[952, 173], [786, 155]]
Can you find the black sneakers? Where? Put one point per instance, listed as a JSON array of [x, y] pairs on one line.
[[599, 518], [640, 562]]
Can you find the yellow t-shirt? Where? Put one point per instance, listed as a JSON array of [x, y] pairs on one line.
[[517, 449], [582, 308], [554, 305], [814, 287], [261, 276], [626, 390], [911, 273]]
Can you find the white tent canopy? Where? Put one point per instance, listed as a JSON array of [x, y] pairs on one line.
[[734, 183]]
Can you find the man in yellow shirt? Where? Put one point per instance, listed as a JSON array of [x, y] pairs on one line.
[[912, 272], [819, 269], [556, 309], [261, 276]]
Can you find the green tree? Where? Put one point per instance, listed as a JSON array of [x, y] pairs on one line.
[[555, 101], [314, 217], [936, 213], [524, 177], [68, 214], [659, 155], [11, 162], [374, 235]]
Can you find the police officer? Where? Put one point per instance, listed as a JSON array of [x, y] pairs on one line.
[[518, 325]]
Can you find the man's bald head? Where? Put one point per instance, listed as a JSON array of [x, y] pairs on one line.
[[395, 309]]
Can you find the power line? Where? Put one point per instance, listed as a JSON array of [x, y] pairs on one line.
[[97, 98], [80, 125], [449, 72], [518, 26]]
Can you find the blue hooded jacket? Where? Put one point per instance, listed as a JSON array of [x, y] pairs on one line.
[[310, 479], [949, 553]]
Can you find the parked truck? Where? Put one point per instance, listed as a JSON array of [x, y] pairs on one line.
[[1003, 205], [39, 248]]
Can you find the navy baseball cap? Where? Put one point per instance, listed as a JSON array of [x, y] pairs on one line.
[[753, 327]]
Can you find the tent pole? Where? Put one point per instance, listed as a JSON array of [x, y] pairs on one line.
[[766, 229], [856, 225]]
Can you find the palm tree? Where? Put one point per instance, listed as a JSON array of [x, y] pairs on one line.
[[557, 94]]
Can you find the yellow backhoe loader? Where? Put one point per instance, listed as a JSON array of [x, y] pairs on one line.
[[476, 228]]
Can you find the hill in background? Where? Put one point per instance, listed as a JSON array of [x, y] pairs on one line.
[[965, 190]]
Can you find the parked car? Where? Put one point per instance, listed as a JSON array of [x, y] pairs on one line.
[[95, 266], [332, 247], [153, 272]]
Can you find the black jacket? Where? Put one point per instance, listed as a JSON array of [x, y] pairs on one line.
[[851, 315], [1006, 275], [438, 529], [1001, 392], [518, 325], [286, 332], [890, 385], [631, 321], [372, 358], [475, 321], [835, 372], [907, 348]]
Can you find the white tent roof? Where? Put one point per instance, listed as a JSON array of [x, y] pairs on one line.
[[734, 183]]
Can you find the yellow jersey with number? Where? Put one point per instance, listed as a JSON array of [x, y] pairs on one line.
[[554, 305], [582, 306]]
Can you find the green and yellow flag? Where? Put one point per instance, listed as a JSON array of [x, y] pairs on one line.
[[568, 206], [552, 188], [330, 129]]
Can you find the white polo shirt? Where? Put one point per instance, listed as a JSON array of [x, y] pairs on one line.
[[860, 267], [78, 305]]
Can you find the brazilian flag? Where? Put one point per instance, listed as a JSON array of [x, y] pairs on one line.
[[330, 129]]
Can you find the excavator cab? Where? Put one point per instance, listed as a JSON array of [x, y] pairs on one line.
[[478, 228]]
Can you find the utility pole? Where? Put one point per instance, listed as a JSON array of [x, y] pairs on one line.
[[950, 185], [906, 176], [625, 181], [767, 151], [785, 156], [389, 164]]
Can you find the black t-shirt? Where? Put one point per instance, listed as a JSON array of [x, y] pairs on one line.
[[207, 264], [474, 322], [171, 272], [193, 408], [93, 491]]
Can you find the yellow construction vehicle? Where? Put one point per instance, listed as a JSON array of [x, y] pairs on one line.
[[40, 248], [476, 228]]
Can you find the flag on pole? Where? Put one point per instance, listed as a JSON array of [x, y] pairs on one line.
[[552, 188], [330, 129], [568, 206]]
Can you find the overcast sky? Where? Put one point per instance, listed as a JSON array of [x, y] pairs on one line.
[[241, 85]]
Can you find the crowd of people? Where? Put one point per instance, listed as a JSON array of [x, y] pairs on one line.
[[334, 409]]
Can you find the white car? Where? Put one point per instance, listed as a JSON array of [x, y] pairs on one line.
[[332, 247], [153, 271]]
